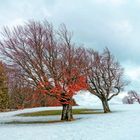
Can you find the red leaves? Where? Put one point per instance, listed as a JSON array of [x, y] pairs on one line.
[[70, 83], [78, 84]]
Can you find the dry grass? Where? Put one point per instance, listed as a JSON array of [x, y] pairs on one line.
[[58, 112]]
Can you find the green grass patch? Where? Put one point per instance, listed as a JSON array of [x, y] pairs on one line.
[[58, 112]]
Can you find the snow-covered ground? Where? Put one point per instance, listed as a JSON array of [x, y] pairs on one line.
[[122, 124]]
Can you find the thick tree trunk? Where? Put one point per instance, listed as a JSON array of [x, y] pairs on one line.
[[105, 106], [67, 113]]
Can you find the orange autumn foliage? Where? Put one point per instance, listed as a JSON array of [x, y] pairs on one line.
[[65, 88]]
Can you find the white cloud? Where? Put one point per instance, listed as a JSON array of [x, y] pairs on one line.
[[18, 21], [133, 73], [138, 1], [46, 13], [123, 28], [112, 2]]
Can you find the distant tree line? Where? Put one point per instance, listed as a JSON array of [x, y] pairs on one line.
[[45, 65]]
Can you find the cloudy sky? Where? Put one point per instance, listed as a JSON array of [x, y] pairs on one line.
[[95, 23]]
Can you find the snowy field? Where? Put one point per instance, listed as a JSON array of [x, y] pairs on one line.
[[122, 124]]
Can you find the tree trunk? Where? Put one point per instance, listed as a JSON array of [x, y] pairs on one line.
[[67, 112], [105, 106], [139, 101]]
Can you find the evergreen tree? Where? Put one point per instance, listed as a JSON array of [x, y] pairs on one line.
[[4, 98]]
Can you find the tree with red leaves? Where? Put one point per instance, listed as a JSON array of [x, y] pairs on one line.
[[68, 76], [48, 59], [64, 90]]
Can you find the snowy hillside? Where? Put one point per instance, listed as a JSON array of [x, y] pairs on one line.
[[122, 124]]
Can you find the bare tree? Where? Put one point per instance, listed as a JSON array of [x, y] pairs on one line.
[[131, 98], [134, 95], [67, 72], [33, 48], [105, 76]]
